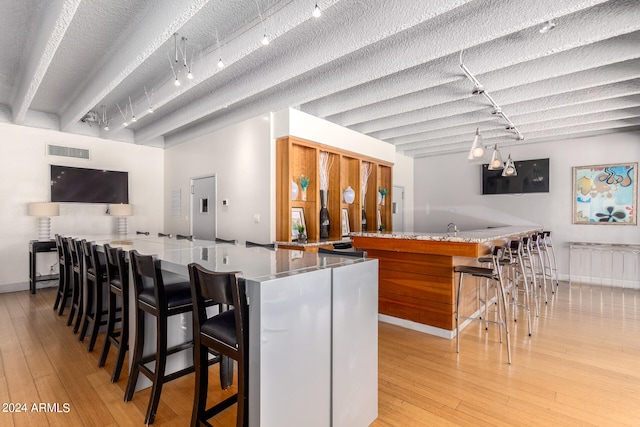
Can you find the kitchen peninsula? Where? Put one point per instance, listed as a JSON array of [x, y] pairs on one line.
[[416, 278]]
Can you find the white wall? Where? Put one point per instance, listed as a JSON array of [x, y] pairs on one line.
[[24, 178], [448, 189], [403, 176], [296, 123], [240, 158]]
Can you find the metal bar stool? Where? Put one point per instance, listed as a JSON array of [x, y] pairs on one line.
[[552, 260], [517, 273], [538, 261], [494, 274], [528, 264]]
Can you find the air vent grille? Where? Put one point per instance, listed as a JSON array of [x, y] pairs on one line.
[[59, 150]]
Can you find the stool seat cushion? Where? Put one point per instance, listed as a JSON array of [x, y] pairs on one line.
[[221, 328], [92, 272], [178, 294], [476, 271]]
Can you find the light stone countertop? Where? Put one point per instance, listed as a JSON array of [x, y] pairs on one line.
[[473, 236]]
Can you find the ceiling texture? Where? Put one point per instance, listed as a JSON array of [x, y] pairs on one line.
[[390, 69]]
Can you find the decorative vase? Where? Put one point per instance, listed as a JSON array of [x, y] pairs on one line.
[[304, 194], [349, 195], [294, 190], [364, 221], [302, 238], [383, 197], [379, 198], [324, 216]]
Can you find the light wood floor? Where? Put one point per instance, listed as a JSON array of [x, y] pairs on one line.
[[581, 367]]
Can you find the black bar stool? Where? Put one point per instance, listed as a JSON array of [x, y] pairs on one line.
[[225, 333], [118, 288], [64, 288], [95, 278], [494, 275], [75, 276], [161, 294]]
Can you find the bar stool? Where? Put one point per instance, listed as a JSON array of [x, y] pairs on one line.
[[64, 289], [118, 288], [538, 262], [161, 294], [517, 274], [528, 264], [551, 260], [95, 278], [225, 334], [75, 276], [493, 274]]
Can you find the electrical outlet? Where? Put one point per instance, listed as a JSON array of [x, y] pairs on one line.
[[256, 218]]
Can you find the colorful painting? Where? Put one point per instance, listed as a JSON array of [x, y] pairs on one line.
[[605, 194]]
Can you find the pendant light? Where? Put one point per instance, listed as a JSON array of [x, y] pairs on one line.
[[477, 150], [496, 160], [509, 168]]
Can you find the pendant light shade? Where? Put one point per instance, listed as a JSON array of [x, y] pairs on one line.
[[477, 150], [509, 168], [496, 160]]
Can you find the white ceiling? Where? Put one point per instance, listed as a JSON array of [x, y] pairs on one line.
[[386, 68]]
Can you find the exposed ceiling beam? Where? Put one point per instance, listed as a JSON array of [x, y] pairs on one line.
[[245, 44], [384, 19], [163, 19], [57, 19]]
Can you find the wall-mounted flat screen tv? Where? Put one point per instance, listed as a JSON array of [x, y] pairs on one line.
[[69, 184], [533, 177]]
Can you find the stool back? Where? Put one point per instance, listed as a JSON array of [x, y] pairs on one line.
[[117, 269], [147, 275]]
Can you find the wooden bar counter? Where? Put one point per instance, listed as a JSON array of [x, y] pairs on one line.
[[416, 279]]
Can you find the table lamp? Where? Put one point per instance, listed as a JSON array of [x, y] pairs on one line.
[[44, 211], [121, 211]]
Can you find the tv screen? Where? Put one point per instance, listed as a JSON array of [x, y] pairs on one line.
[[533, 177], [82, 185]]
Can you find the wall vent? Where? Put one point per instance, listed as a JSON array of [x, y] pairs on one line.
[[59, 150]]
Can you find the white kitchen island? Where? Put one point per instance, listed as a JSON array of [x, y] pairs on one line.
[[313, 329]]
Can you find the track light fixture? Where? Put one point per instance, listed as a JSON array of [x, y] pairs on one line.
[[477, 150], [220, 63], [133, 116], [265, 40], [497, 110], [316, 11], [125, 123], [150, 110]]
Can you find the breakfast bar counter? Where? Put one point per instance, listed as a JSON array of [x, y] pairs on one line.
[[416, 278]]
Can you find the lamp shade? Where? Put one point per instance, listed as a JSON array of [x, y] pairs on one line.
[[509, 168], [44, 209], [121, 209], [477, 150], [496, 160]]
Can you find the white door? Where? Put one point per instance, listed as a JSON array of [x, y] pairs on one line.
[[203, 208], [397, 209]]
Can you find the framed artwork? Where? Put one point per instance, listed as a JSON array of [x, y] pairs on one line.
[[297, 219], [346, 228], [605, 194]]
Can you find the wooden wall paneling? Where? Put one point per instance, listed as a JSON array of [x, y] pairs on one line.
[[385, 181], [430, 313], [334, 197], [283, 189], [371, 199]]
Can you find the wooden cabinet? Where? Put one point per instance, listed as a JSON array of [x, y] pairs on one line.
[[297, 157]]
